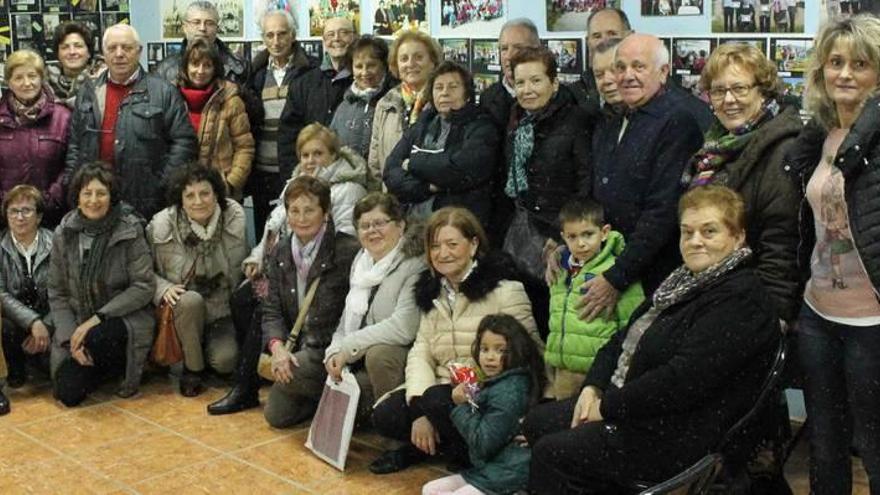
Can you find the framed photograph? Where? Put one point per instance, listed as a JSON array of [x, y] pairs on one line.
[[569, 55], [114, 5], [28, 32], [112, 18], [484, 55], [456, 50], [652, 8], [313, 48], [483, 81], [759, 16], [759, 43], [689, 55], [155, 54], [390, 16], [255, 48], [240, 49], [321, 10], [93, 22], [49, 6], [173, 48], [567, 15], [691, 82], [231, 23], [471, 17], [86, 6], [50, 22], [790, 55]]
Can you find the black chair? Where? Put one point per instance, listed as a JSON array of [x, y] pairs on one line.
[[692, 481]]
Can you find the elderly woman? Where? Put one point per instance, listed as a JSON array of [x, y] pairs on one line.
[[74, 44], [662, 393], [217, 112], [413, 56], [743, 150], [33, 133], [198, 245], [835, 162], [24, 274], [465, 283], [449, 156], [101, 282], [313, 255], [380, 318]]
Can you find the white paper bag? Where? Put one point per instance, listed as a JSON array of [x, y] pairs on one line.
[[332, 426]]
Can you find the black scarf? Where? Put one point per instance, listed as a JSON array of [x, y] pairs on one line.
[[92, 283]]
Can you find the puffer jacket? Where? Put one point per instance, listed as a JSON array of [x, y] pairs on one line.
[[462, 171], [858, 158], [130, 285], [446, 334], [34, 154], [220, 268], [225, 139], [573, 343], [12, 278], [389, 123], [153, 137], [353, 118]]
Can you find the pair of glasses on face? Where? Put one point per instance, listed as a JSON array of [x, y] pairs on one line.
[[25, 212], [737, 90], [209, 24], [377, 224]]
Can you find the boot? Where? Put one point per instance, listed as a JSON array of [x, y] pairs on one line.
[[191, 383], [4, 404], [239, 398]]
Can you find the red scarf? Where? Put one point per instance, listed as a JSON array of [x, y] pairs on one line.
[[196, 99]]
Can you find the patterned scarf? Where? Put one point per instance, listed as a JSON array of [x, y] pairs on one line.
[[722, 146], [304, 254], [27, 113], [413, 100], [523, 145]]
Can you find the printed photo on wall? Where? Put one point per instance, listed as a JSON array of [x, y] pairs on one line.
[[263, 6], [471, 17], [50, 22], [483, 81], [758, 16], [255, 48], [313, 48], [23, 6], [569, 59], [845, 8], [572, 15], [484, 56], [114, 5], [689, 56], [112, 18], [28, 32], [391, 16], [93, 22], [155, 54], [240, 49], [321, 10], [456, 50], [790, 55], [84, 5], [672, 7], [231, 24], [759, 43], [55, 5]]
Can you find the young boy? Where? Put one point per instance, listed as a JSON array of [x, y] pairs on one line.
[[591, 248]]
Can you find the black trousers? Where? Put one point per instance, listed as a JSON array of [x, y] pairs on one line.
[[106, 344], [264, 187], [246, 317], [13, 338]]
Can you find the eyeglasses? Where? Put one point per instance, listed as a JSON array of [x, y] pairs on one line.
[[25, 212], [737, 90], [378, 224], [208, 23], [342, 33]]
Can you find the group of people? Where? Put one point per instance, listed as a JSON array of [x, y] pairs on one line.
[[614, 260]]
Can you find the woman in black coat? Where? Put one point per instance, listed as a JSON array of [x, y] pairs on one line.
[[449, 156]]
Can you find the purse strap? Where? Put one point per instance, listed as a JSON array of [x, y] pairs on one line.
[[301, 317], [192, 271]]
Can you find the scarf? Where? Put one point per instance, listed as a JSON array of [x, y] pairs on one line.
[[27, 113], [365, 275], [92, 287], [437, 133], [357, 95], [304, 255], [196, 99], [523, 145], [206, 242], [722, 147], [679, 285], [414, 102]]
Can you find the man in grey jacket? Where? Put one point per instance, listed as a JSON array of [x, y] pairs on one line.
[[135, 122]]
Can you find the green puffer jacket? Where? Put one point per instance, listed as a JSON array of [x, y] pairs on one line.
[[573, 343], [500, 465]]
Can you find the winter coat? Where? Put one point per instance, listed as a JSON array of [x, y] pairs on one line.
[[696, 370], [573, 343], [281, 307], [497, 102], [445, 334], [237, 70], [175, 254], [34, 154], [859, 161], [462, 170], [13, 273], [390, 120], [559, 166], [310, 98], [587, 94], [225, 140], [637, 181], [353, 119], [771, 208], [130, 285], [500, 465], [153, 137]]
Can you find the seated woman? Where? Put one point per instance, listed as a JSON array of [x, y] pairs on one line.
[[314, 252], [449, 156], [661, 394], [101, 283], [24, 274], [465, 283], [380, 318], [198, 245]]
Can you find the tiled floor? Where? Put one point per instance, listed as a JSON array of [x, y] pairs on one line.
[[160, 442]]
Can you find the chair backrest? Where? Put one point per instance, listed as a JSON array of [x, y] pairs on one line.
[[694, 480]]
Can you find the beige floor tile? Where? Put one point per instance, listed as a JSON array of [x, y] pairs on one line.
[[17, 450], [88, 427], [230, 432], [409, 481], [55, 476], [165, 406], [217, 477]]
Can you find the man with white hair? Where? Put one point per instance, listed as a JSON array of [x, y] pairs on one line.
[[135, 122]]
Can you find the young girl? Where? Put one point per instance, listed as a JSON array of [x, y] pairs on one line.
[[514, 379]]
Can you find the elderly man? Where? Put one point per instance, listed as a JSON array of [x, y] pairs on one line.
[[134, 121], [315, 96], [602, 25], [498, 98], [638, 158], [201, 22], [604, 76]]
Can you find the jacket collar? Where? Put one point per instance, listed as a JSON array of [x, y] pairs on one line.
[[7, 119], [861, 139], [44, 245], [324, 260], [785, 126], [488, 274]]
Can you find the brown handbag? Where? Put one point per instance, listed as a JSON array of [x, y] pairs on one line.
[[166, 349], [264, 366]]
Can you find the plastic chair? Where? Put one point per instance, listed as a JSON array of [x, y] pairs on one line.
[[692, 481]]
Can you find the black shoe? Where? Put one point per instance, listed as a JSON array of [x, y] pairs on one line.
[[393, 461], [191, 383], [237, 399], [16, 378], [4, 404]]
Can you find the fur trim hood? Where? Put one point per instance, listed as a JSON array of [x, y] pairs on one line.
[[489, 272]]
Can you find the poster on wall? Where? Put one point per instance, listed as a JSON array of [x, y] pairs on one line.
[[50, 22], [112, 18], [49, 6], [391, 16], [114, 5], [263, 6], [321, 10], [758, 16], [759, 43], [84, 5], [23, 6], [689, 56], [569, 58], [456, 50], [93, 22], [572, 15], [672, 7], [231, 24], [27, 30], [155, 54], [471, 17], [846, 8], [790, 55], [483, 80]]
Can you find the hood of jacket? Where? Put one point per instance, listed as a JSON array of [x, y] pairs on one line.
[[489, 272], [611, 248], [348, 167]]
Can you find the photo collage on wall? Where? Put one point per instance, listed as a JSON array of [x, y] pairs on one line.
[[157, 51]]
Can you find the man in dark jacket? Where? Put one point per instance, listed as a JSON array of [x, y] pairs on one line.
[[638, 159], [498, 98], [315, 96], [602, 25], [134, 121]]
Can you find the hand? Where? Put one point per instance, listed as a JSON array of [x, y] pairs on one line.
[[600, 297], [584, 405], [173, 293], [433, 188], [424, 436], [459, 396], [38, 340], [82, 357], [79, 334], [281, 363], [595, 413], [334, 366], [251, 271], [552, 254]]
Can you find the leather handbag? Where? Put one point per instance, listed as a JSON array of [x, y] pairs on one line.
[[264, 367], [166, 349]]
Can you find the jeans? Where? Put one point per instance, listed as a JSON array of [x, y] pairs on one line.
[[841, 365]]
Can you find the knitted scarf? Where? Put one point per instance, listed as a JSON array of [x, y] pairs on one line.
[[206, 242], [196, 99], [413, 100], [722, 147], [27, 113], [523, 145], [92, 283], [679, 285], [365, 274]]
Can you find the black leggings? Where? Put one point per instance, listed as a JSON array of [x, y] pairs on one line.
[[106, 344]]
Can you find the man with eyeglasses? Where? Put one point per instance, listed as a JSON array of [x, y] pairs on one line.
[[135, 122], [315, 96]]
